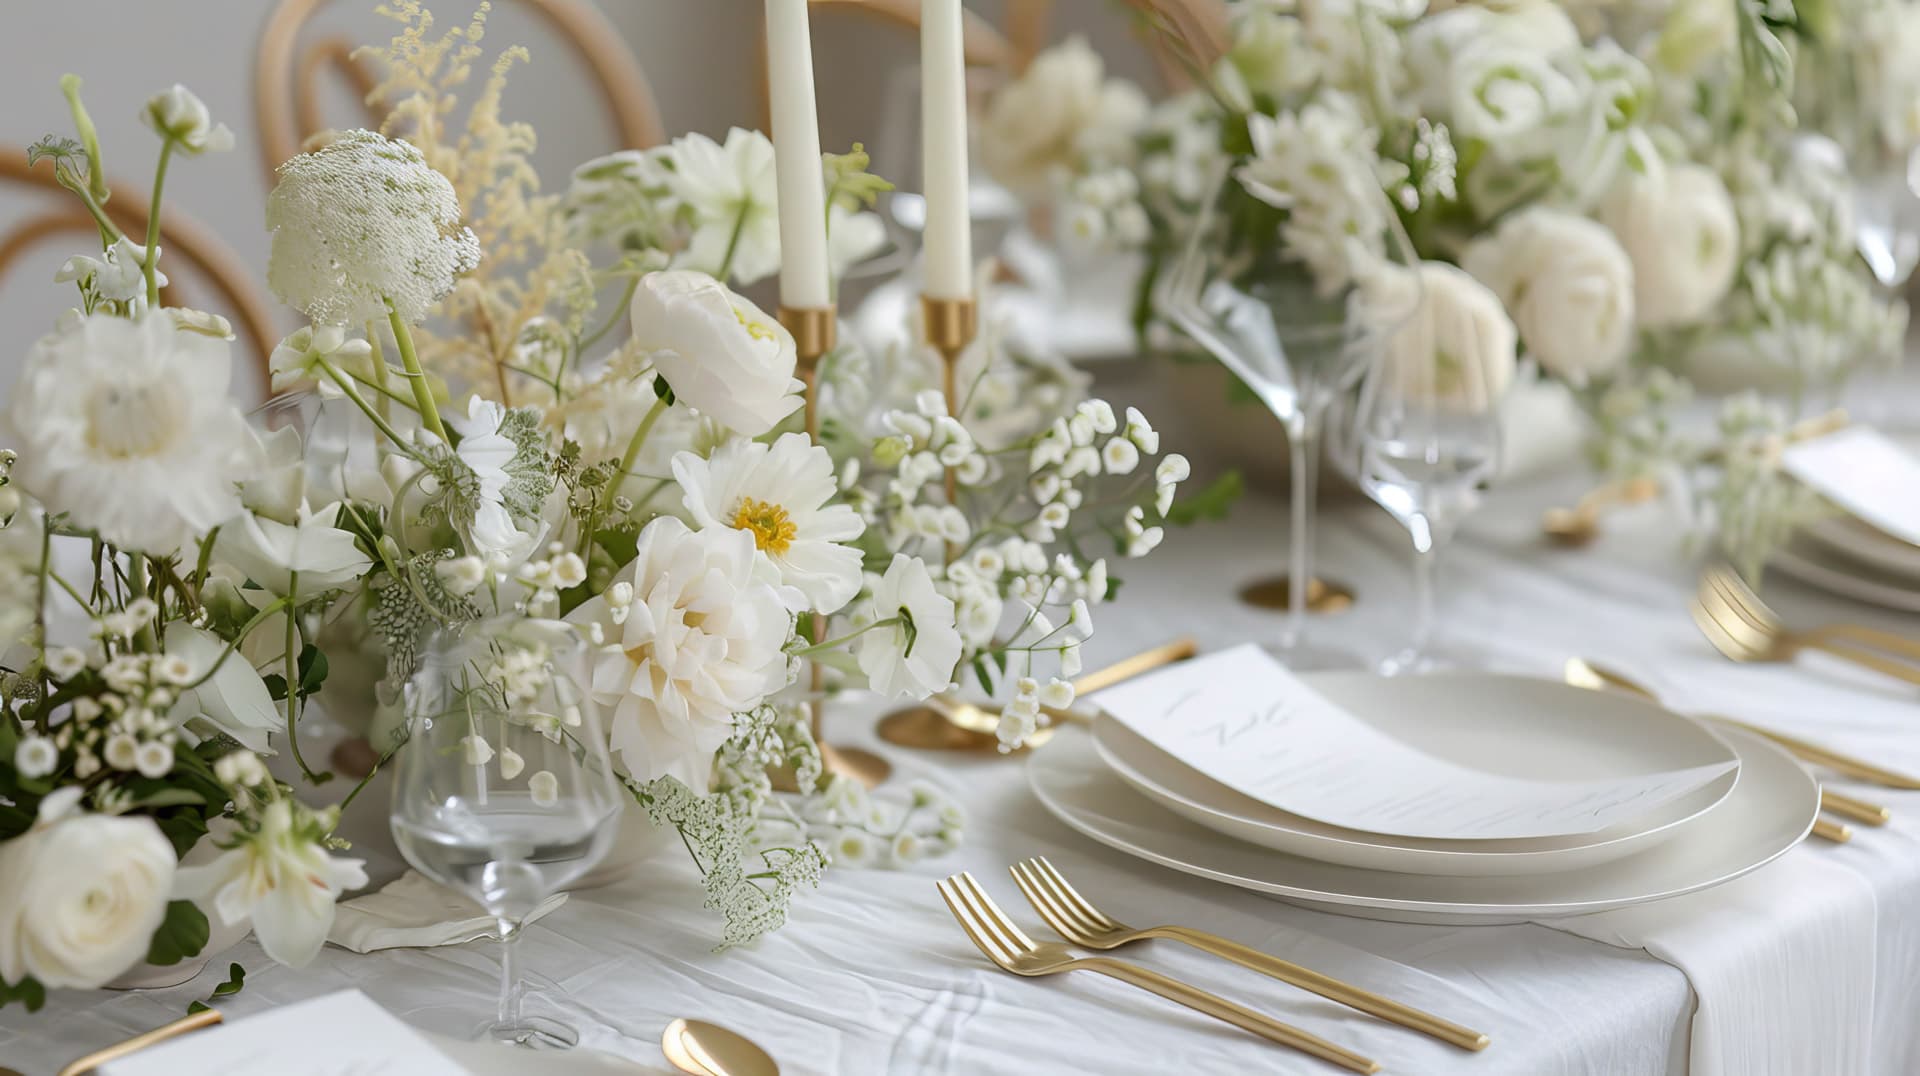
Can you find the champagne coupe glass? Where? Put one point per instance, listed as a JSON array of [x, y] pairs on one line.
[[504, 790], [1296, 344], [1426, 433]]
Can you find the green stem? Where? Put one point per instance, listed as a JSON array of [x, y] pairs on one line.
[[380, 370], [410, 360], [620, 311], [138, 585], [346, 387], [733, 243], [291, 666], [234, 644], [844, 639], [109, 231], [89, 138], [153, 224], [640, 436]]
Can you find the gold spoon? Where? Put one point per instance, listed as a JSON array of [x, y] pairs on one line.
[[705, 1049], [1580, 524]]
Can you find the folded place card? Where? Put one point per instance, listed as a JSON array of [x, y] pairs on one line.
[[1865, 472], [1242, 719], [340, 1034]]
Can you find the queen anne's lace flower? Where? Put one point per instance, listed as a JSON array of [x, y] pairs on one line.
[[362, 222]]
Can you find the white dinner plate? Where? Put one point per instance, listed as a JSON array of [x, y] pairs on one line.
[[1827, 570], [1187, 792], [1861, 542], [1770, 810]]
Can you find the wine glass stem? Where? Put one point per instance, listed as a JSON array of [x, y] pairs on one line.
[[509, 973], [1424, 570], [1303, 443]]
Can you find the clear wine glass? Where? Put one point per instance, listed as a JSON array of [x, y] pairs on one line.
[[1425, 439], [1298, 346], [504, 790]]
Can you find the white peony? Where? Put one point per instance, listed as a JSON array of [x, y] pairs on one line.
[[270, 553], [1492, 75], [778, 493], [915, 657], [178, 114], [1063, 112], [280, 878], [81, 894], [721, 354], [118, 274], [692, 633], [1459, 345], [234, 700], [1567, 285], [126, 426], [1677, 223], [734, 199], [362, 222]]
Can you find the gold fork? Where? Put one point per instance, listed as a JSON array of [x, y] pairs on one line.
[[1006, 945], [1077, 920], [1744, 628]]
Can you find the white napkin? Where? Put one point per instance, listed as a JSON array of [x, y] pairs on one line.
[[414, 912], [1781, 962]]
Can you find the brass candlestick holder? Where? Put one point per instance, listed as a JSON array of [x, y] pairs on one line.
[[815, 330], [950, 326]]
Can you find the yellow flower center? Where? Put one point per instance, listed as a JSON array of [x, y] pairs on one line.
[[772, 531], [131, 420], [759, 330]]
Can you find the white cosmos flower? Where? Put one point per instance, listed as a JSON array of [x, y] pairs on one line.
[[1568, 286], [722, 355], [916, 657], [116, 273], [778, 493], [234, 700], [1677, 224], [126, 426], [698, 639], [81, 894], [270, 553], [281, 878], [735, 201], [178, 114]]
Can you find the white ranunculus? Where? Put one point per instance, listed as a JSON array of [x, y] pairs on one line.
[[914, 658], [178, 114], [1061, 112], [117, 274], [1567, 285], [364, 222], [734, 198], [721, 354], [270, 552], [234, 700], [81, 894], [126, 426], [1678, 225], [1459, 345], [690, 634], [1492, 75], [778, 493], [281, 878]]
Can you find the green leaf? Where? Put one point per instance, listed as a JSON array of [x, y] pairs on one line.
[[313, 669], [27, 991], [183, 933], [167, 797], [183, 829], [1210, 503]]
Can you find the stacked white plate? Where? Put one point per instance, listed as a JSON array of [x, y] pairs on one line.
[[1848, 556], [1117, 787]]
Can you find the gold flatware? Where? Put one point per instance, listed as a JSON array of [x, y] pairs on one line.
[[1580, 524], [1008, 947], [1587, 674], [1078, 921], [1744, 628], [945, 723], [704, 1049], [1832, 831], [1853, 807], [203, 1018]]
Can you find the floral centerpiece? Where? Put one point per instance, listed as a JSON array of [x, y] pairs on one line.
[[1616, 193], [183, 584]]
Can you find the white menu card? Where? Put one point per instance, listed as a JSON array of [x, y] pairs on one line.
[[1865, 472], [1242, 719], [339, 1034]]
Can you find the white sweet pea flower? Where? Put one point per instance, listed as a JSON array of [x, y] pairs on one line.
[[177, 114], [1678, 225], [295, 362], [281, 878], [116, 274], [734, 200], [270, 553], [720, 353], [1568, 286], [81, 894], [234, 700], [915, 657]]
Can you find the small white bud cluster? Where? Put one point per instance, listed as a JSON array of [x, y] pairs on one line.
[[1101, 212]]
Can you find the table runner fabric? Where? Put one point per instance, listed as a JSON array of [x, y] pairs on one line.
[[872, 975]]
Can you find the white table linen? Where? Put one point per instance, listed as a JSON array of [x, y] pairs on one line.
[[872, 976]]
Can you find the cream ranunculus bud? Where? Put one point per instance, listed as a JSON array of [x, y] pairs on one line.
[[1567, 285], [1458, 347], [177, 114], [721, 354], [81, 894], [1678, 225]]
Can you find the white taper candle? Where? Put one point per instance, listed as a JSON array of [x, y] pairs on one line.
[[948, 238], [796, 145]]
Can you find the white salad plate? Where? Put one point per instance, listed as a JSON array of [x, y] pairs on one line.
[[1823, 568], [1861, 542], [1771, 809]]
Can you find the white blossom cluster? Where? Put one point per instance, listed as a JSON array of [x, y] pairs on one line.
[[860, 829], [128, 728]]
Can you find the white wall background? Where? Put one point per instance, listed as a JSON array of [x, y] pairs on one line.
[[699, 55]]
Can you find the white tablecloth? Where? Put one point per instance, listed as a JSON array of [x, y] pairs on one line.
[[872, 975]]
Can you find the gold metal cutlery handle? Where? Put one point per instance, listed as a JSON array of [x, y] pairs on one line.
[[1859, 810], [1873, 637], [203, 1018], [1859, 769], [1128, 668], [1327, 987], [1829, 830], [1221, 1009], [1899, 670]]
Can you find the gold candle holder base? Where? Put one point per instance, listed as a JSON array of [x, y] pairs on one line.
[[1323, 595]]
